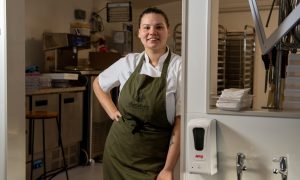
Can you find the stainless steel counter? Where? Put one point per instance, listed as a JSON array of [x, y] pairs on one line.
[[81, 70], [55, 90], [91, 73]]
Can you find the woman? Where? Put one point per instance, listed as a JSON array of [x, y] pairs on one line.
[[144, 140]]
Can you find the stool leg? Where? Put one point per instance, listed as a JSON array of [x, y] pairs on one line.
[[32, 146], [44, 147], [62, 147]]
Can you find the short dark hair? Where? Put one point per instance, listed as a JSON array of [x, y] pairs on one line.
[[154, 10]]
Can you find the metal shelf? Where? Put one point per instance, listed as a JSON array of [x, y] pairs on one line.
[[235, 58]]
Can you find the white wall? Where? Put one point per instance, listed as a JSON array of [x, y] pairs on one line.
[[260, 138], [15, 89], [50, 16]]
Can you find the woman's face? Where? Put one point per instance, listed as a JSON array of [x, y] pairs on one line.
[[153, 32]]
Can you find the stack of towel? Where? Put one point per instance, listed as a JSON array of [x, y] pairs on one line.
[[234, 99]]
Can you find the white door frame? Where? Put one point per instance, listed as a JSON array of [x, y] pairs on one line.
[[183, 108], [3, 92]]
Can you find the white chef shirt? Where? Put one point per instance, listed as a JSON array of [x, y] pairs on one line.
[[119, 72]]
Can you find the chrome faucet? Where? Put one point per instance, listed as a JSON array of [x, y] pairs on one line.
[[283, 167], [240, 166]]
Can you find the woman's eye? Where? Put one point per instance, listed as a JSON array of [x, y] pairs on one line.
[[159, 27], [146, 27], [156, 27]]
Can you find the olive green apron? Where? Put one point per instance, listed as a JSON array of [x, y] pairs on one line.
[[137, 145]]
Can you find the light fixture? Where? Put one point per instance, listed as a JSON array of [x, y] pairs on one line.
[[119, 12]]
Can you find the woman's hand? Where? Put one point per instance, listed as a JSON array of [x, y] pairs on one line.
[[174, 149], [165, 175], [116, 116], [106, 101]]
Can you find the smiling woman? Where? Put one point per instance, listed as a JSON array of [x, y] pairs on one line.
[[144, 140]]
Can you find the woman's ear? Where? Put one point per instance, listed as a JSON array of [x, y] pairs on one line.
[[169, 32], [138, 33]]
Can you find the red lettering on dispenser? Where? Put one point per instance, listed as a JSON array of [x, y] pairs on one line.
[[199, 156]]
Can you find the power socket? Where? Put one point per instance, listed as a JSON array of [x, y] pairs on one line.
[[37, 164]]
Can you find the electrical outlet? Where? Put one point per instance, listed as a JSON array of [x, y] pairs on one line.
[[37, 164]]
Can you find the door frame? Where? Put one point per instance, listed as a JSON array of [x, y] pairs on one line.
[[3, 94]]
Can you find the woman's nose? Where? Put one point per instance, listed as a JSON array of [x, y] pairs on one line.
[[152, 30]]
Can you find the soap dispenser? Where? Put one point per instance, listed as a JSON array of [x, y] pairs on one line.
[[202, 146]]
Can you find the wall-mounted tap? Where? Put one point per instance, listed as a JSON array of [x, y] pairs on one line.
[[283, 167], [240, 165]]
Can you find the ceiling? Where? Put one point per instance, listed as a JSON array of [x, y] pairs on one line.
[[146, 3], [242, 5]]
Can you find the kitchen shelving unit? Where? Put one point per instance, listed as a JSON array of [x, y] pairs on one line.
[[177, 39], [239, 58], [221, 59]]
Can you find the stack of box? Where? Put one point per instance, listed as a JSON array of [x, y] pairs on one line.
[[35, 81], [32, 81], [292, 84]]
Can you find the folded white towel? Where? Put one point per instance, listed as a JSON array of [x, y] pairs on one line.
[[236, 90], [232, 106], [234, 99], [234, 93], [246, 97]]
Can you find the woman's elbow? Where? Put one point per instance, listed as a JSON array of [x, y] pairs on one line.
[[96, 84]]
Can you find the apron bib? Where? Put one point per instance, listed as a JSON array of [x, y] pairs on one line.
[[137, 145]]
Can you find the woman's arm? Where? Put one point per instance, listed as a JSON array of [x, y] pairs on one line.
[[173, 153], [106, 101]]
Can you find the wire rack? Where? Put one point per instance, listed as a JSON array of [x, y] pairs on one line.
[[236, 58], [177, 39], [221, 59]]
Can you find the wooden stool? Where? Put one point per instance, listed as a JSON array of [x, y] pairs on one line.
[[42, 115]]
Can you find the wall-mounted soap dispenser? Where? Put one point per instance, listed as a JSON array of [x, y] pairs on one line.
[[202, 146]]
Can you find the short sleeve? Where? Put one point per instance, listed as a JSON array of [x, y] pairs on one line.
[[109, 78]]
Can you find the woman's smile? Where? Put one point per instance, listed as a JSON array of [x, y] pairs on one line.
[[153, 39]]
